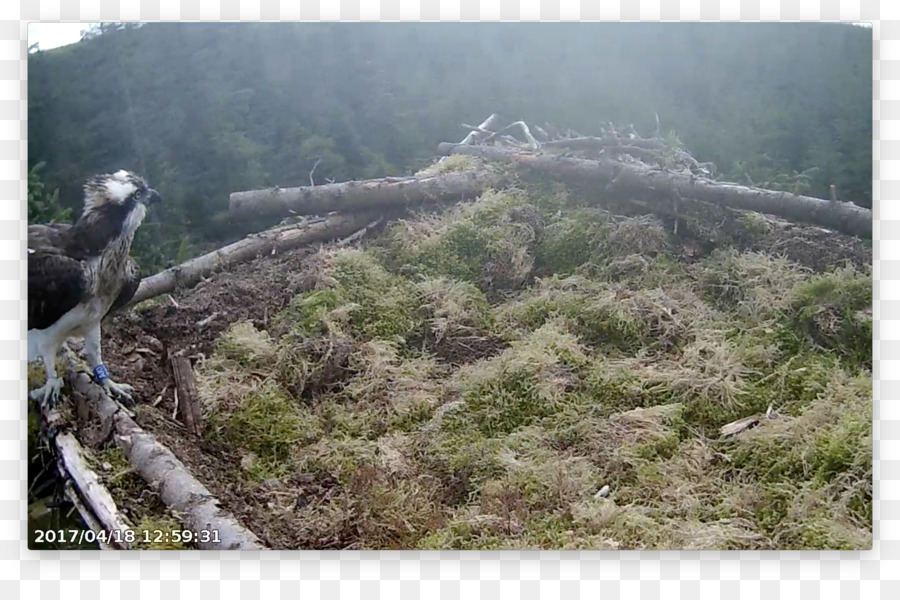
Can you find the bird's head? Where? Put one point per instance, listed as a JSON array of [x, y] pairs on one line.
[[121, 198]]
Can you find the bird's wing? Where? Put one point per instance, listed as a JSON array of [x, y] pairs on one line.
[[55, 286], [129, 287], [51, 238]]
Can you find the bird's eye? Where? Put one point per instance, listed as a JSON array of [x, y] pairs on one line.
[[138, 194]]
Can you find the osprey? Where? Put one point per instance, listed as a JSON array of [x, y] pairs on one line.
[[78, 273]]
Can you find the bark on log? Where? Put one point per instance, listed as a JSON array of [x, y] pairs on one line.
[[596, 143], [87, 516], [179, 490], [187, 392], [624, 180], [351, 196], [272, 240]]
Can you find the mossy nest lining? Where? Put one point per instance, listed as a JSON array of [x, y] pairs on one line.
[[474, 379]]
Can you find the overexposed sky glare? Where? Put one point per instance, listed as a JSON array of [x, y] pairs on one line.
[[54, 35]]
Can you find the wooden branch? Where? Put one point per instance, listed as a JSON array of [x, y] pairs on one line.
[[186, 388], [207, 320], [736, 427], [313, 170], [471, 137], [359, 234], [87, 516], [195, 505], [480, 130], [637, 180], [276, 239], [94, 493], [532, 143], [360, 195]]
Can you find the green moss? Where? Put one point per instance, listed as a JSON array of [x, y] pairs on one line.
[[602, 324], [385, 304], [834, 311], [526, 382], [457, 162], [828, 444], [37, 375], [796, 383], [118, 474], [609, 389], [453, 308], [412, 417], [569, 243], [307, 313], [591, 312], [505, 404], [266, 423], [461, 458], [752, 225], [377, 304], [341, 458], [460, 253], [488, 243], [246, 345]]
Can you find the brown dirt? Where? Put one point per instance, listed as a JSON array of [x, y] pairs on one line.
[[137, 344], [457, 351], [813, 247], [816, 248]]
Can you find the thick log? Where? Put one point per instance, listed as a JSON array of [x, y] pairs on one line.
[[627, 180], [179, 490], [362, 195], [597, 143], [277, 239]]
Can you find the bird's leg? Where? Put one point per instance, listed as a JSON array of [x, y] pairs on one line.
[[101, 373], [49, 392]]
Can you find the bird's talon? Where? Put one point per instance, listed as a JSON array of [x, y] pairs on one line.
[[48, 394], [121, 391]]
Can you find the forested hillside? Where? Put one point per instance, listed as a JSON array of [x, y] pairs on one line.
[[208, 109]]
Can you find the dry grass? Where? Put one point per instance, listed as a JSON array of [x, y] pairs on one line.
[[753, 285], [474, 380]]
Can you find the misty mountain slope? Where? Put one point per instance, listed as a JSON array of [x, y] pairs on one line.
[[208, 109]]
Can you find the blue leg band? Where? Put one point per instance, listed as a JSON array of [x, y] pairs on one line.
[[101, 373]]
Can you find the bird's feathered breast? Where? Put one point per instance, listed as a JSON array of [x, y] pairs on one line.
[[130, 285]]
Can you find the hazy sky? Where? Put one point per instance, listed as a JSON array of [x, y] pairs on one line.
[[54, 35]]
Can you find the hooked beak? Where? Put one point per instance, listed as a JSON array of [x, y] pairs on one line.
[[152, 197]]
